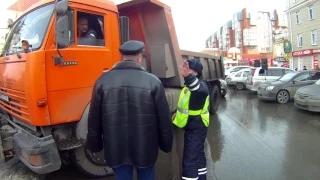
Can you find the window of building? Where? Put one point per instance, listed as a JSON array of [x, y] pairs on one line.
[[299, 40], [314, 37], [311, 12], [298, 20], [90, 29]]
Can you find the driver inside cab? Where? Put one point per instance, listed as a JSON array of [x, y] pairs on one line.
[[86, 36]]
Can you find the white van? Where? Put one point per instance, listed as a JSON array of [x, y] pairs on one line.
[[239, 78], [259, 75], [234, 69]]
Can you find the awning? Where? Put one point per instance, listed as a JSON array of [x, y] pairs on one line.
[[22, 5]]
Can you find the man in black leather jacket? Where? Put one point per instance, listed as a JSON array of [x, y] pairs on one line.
[[130, 116]]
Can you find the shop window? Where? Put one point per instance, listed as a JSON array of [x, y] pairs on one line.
[[90, 29]]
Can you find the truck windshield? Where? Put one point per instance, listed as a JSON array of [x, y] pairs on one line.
[[31, 27]]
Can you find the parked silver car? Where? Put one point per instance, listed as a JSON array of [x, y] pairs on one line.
[[284, 89], [239, 78], [308, 97]]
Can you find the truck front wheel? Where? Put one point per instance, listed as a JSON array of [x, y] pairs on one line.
[[91, 164], [214, 99]]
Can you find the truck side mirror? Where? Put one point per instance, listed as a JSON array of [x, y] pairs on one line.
[[124, 28], [61, 6], [62, 32], [62, 35]]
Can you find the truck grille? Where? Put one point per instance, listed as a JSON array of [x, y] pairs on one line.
[[17, 104]]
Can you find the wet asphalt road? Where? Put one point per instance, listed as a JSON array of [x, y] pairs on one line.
[[248, 139]]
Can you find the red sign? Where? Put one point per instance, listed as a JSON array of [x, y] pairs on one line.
[[315, 62], [302, 53], [316, 51]]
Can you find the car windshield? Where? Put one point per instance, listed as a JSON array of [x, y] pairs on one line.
[[318, 82], [287, 77]]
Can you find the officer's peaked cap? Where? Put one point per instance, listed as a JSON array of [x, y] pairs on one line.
[[131, 47]]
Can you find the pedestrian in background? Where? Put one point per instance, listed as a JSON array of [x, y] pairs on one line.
[[193, 116], [304, 68], [129, 116]]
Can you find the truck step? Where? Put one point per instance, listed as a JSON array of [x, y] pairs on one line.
[[68, 144]]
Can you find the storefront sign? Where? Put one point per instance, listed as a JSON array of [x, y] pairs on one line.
[[306, 52], [287, 47], [280, 59], [315, 62], [316, 51]]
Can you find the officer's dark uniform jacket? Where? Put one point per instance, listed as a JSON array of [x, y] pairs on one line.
[[129, 109], [199, 92]]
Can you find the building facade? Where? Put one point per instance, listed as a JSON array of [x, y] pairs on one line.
[[252, 32], [304, 24]]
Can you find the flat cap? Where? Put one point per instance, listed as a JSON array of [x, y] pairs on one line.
[[131, 47]]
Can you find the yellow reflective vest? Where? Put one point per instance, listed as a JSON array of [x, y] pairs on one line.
[[183, 111]]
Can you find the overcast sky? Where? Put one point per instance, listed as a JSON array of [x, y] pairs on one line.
[[195, 20]]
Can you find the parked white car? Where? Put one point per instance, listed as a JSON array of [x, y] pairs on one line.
[[239, 78], [259, 75], [234, 69]]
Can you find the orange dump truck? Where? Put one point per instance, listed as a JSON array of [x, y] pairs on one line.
[[47, 73]]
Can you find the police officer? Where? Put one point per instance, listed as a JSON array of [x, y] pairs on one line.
[[193, 116]]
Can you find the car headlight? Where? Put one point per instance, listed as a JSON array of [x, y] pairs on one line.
[[315, 98], [269, 88]]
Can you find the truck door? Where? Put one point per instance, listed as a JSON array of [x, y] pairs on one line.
[[88, 55]]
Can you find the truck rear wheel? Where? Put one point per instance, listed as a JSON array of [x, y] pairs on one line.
[[91, 164], [214, 99]]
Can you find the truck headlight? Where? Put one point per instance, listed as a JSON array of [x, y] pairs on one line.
[[269, 88]]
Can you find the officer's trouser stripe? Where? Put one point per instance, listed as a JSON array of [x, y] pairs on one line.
[[190, 178], [202, 171]]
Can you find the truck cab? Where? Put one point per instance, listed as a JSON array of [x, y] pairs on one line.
[[45, 90]]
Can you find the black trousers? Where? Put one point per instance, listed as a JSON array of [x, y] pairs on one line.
[[194, 160]]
